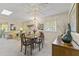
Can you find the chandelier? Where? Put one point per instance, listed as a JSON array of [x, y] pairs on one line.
[[35, 10]]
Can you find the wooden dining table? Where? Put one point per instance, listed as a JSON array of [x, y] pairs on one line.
[[31, 37]]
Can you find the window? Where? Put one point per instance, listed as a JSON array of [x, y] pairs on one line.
[[4, 27], [50, 26]]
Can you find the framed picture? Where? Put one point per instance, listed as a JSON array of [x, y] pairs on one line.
[[41, 26], [12, 27]]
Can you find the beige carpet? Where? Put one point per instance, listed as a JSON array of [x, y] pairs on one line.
[[11, 47]]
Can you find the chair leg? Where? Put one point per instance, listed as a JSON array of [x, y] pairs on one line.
[[31, 49], [35, 45], [42, 44], [25, 50], [39, 46], [21, 47]]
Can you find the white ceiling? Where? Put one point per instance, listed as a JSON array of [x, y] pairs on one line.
[[24, 11]]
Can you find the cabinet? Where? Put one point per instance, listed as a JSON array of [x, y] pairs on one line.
[[61, 49]]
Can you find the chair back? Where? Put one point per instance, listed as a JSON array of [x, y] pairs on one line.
[[23, 38], [41, 35]]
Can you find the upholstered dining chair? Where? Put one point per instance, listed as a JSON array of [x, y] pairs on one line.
[[40, 40], [25, 43]]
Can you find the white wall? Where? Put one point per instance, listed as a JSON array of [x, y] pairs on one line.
[[72, 18], [61, 25]]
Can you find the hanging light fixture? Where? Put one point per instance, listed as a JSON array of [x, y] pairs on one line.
[[35, 13]]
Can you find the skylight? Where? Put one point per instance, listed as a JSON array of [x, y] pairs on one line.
[[6, 12]]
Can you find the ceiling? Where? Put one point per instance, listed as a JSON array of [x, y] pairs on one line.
[[24, 11]]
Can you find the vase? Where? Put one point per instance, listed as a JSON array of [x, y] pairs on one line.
[[67, 38]]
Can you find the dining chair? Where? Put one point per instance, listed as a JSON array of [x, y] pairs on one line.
[[40, 40], [25, 43]]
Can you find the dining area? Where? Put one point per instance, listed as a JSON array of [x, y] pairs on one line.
[[30, 41]]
